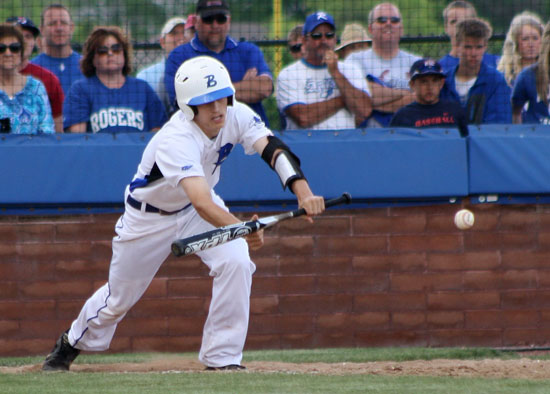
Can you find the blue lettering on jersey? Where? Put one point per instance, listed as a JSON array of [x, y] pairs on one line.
[[210, 81], [188, 167], [322, 88], [223, 153]]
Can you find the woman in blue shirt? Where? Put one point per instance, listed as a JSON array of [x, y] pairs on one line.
[[24, 104], [108, 100]]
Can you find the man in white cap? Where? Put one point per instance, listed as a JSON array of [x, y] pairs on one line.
[[171, 36]]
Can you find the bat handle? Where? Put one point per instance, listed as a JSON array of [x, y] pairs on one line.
[[345, 198]]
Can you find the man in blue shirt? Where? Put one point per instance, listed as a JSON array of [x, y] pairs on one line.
[[57, 29], [452, 15], [245, 62], [479, 88]]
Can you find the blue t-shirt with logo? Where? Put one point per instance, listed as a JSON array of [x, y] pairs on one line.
[[67, 69], [134, 107]]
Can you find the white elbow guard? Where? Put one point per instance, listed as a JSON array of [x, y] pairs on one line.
[[288, 168]]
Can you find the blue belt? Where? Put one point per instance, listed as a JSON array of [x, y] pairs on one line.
[[149, 208]]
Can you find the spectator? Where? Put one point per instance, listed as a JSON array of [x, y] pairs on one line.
[[319, 92], [190, 29], [531, 87], [522, 45], [249, 72], [427, 80], [171, 36], [479, 88], [24, 104], [108, 100], [57, 28], [294, 40], [385, 65], [50, 81], [452, 14], [354, 38]]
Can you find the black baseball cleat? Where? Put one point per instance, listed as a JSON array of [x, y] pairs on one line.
[[230, 367], [61, 356]]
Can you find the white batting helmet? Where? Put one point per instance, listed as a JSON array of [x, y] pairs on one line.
[[201, 80]]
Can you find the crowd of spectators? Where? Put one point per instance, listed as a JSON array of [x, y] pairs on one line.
[[361, 79]]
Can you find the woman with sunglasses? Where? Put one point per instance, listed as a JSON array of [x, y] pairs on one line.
[[24, 104], [108, 100]]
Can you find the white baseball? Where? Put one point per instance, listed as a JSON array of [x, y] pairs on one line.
[[464, 219]]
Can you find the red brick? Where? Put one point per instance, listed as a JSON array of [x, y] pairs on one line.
[[409, 338], [22, 310], [42, 329], [188, 266], [8, 254], [352, 322], [166, 344], [82, 269], [8, 290], [170, 307], [463, 261], [319, 265], [543, 241], [316, 303], [386, 225], [84, 231], [461, 337], [543, 280], [185, 326], [9, 328], [354, 245], [425, 242], [525, 299], [297, 285], [444, 319], [139, 327], [282, 324], [157, 288], [515, 220], [264, 305], [260, 342], [332, 339], [47, 252], [298, 341], [35, 232], [287, 246], [8, 233], [463, 301], [192, 287], [526, 337], [325, 225], [356, 284], [265, 285], [25, 347], [524, 259], [47, 290], [69, 309], [266, 265], [408, 320], [488, 280], [389, 302], [499, 241], [425, 281], [501, 319]]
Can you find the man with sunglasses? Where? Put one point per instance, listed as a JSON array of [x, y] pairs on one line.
[[294, 40], [385, 65], [319, 92], [49, 79], [245, 62], [57, 29]]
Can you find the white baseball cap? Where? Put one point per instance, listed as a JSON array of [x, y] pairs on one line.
[[171, 23]]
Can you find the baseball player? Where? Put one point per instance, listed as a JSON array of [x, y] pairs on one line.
[[172, 196]]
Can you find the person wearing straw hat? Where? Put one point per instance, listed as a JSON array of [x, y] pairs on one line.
[[353, 38]]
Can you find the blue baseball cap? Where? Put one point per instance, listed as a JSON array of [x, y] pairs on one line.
[[425, 67], [316, 19], [25, 23]]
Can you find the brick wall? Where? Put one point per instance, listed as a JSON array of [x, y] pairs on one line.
[[367, 277]]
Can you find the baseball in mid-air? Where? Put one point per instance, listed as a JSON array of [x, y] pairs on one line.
[[464, 219]]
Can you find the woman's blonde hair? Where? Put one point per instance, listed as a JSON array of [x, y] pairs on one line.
[[543, 66], [510, 62]]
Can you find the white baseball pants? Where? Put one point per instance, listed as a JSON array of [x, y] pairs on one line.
[[142, 244]]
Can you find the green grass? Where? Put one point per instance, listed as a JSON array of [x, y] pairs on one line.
[[248, 382]]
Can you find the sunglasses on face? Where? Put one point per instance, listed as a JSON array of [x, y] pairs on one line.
[[103, 50], [295, 48], [318, 36], [393, 19], [220, 19], [14, 47]]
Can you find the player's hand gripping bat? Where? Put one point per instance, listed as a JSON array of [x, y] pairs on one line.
[[221, 235]]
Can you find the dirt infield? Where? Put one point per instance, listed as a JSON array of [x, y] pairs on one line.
[[489, 368]]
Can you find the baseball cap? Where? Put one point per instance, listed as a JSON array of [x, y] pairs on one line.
[[316, 19], [171, 23], [212, 7], [425, 67], [353, 33], [25, 23]]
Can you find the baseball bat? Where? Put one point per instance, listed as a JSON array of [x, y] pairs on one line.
[[221, 235]]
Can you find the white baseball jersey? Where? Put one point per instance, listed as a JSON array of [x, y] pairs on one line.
[[394, 73], [303, 83], [180, 149]]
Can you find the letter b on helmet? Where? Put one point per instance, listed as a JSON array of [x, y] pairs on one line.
[[201, 80]]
